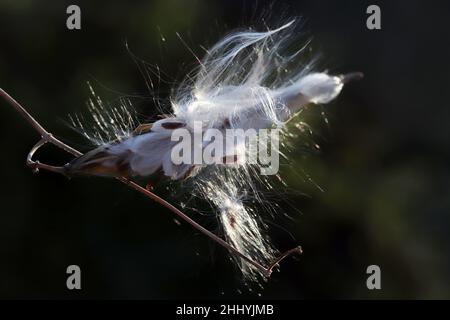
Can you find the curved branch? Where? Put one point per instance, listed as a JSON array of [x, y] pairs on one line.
[[47, 137]]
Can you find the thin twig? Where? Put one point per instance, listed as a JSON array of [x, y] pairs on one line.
[[47, 137], [298, 250]]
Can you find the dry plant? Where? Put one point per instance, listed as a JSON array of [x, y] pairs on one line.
[[246, 81], [36, 166]]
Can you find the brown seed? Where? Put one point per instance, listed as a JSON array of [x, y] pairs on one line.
[[172, 125], [232, 221]]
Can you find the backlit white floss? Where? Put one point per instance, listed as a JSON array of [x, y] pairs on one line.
[[246, 81]]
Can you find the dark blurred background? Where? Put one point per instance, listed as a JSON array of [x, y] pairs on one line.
[[384, 162]]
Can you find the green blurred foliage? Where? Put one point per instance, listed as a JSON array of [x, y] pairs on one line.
[[376, 192]]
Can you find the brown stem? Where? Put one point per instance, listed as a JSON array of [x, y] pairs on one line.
[[283, 256], [47, 137]]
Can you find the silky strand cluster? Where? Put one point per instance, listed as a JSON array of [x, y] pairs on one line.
[[248, 80]]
